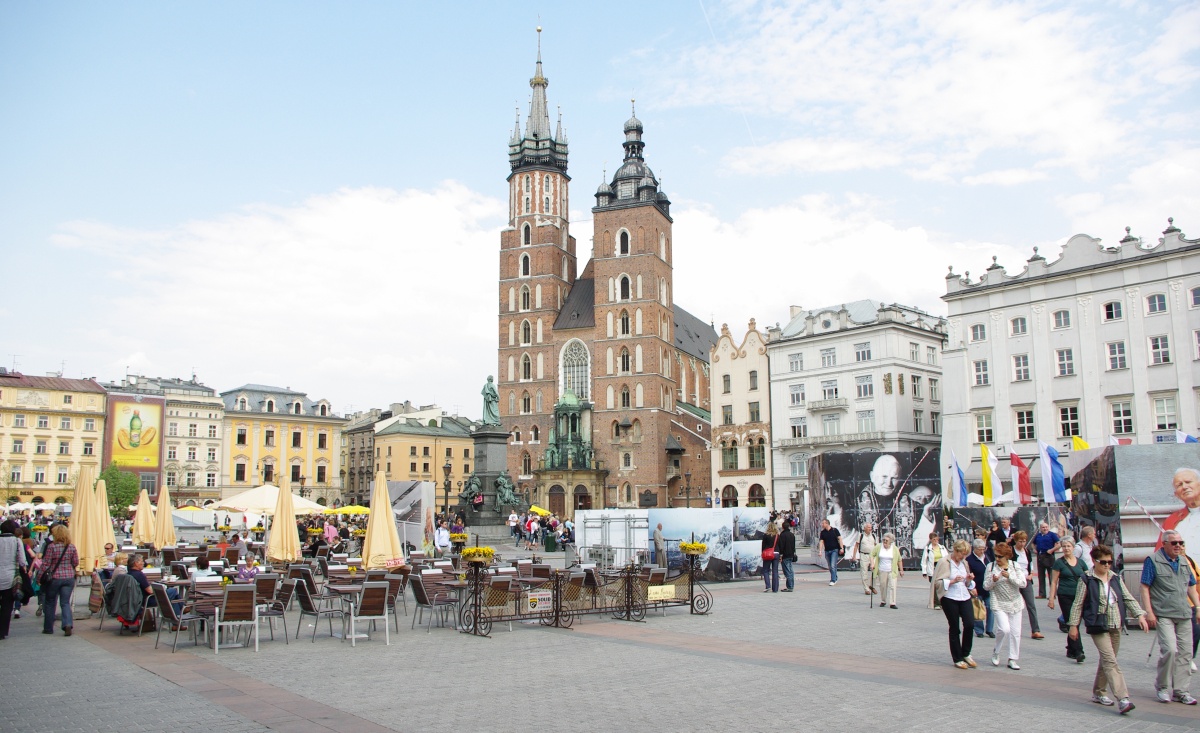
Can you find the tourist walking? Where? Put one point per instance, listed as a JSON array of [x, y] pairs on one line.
[[58, 579], [1047, 544], [786, 552], [12, 565], [1004, 581], [866, 543], [1064, 579], [1024, 558], [886, 568], [952, 589], [1102, 603], [1167, 588], [770, 558], [832, 547], [931, 556], [978, 561]]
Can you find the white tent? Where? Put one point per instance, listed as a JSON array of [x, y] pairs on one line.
[[261, 500]]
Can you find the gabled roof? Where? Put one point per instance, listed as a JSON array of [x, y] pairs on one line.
[[580, 309], [692, 335], [14, 380], [451, 427], [701, 413]]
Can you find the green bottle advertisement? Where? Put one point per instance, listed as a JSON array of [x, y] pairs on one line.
[[135, 430]]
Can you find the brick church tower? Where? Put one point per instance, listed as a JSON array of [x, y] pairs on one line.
[[602, 379]]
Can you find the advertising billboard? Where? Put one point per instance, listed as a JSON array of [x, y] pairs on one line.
[[135, 430]]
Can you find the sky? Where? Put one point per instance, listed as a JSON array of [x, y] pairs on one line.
[[310, 194]]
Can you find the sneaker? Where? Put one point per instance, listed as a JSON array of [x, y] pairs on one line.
[[991, 635], [67, 631], [1124, 706], [961, 665], [995, 659], [881, 605], [1184, 697], [1080, 658], [786, 590], [1102, 700], [1164, 696], [970, 662], [1193, 666], [1012, 664], [16, 614], [1038, 635], [892, 605], [766, 590], [833, 582]]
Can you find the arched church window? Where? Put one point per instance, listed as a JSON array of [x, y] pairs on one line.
[[624, 288], [527, 234], [625, 396], [624, 360], [575, 369], [624, 323], [525, 298], [526, 367], [526, 333], [624, 247], [533, 433], [524, 265]]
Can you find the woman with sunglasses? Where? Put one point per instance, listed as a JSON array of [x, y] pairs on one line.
[[1103, 603]]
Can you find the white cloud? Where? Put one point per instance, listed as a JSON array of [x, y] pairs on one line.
[[363, 296], [1007, 177], [808, 155]]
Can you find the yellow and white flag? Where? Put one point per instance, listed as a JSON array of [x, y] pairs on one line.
[[992, 488]]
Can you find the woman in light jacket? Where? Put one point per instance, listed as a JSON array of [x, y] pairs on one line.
[[1005, 579], [933, 554], [885, 564]]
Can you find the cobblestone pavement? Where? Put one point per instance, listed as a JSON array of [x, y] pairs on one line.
[[760, 662]]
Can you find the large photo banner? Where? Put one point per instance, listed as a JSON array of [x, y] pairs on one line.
[[135, 431], [894, 492]]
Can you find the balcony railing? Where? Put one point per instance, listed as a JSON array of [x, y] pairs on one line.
[[672, 472], [842, 439], [837, 403]]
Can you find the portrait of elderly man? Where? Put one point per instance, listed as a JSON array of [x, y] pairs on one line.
[[1185, 521]]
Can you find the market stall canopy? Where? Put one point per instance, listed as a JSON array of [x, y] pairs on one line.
[[262, 500]]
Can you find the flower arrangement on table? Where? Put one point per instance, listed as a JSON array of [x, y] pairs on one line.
[[224, 528], [40, 528], [478, 554], [315, 530], [459, 538], [693, 548], [359, 533]]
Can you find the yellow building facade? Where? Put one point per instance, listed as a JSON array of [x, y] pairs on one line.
[[50, 429], [419, 450], [269, 431]]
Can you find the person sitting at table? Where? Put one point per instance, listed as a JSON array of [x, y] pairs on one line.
[[223, 544], [120, 564], [136, 565], [106, 572], [202, 569], [240, 544], [314, 544], [247, 572]]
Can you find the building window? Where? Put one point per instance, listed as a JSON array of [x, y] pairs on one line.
[[64, 447], [1066, 362], [524, 265], [89, 449], [862, 352], [1160, 350], [89, 423], [916, 387], [1116, 355], [1021, 368], [241, 436], [39, 474], [828, 357], [62, 475], [67, 399], [269, 438], [799, 427], [625, 402], [829, 389], [270, 405], [918, 421], [268, 473], [624, 246], [412, 468], [799, 465], [296, 438], [935, 423], [755, 415], [729, 457], [322, 441], [1156, 303], [43, 422], [726, 381], [210, 480], [1122, 417], [172, 430], [726, 414], [1068, 421], [914, 351], [242, 404], [1025, 425], [18, 445], [533, 438], [212, 431], [321, 477], [934, 393], [981, 373], [64, 423], [753, 380], [525, 298], [758, 455], [978, 332], [1019, 325], [15, 475], [864, 386], [931, 355], [624, 323], [796, 391], [1112, 311], [172, 452], [795, 362], [18, 421], [526, 333], [526, 368], [575, 369], [1165, 415], [296, 408], [831, 424], [212, 454], [866, 421], [1196, 339], [983, 427], [624, 288], [191, 453], [170, 479], [41, 448], [1062, 319]]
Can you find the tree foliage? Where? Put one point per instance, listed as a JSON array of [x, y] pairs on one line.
[[123, 488]]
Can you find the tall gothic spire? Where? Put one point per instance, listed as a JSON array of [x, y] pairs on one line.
[[538, 146], [538, 125]]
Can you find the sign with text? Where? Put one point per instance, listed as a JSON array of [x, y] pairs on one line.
[[538, 601], [660, 593]]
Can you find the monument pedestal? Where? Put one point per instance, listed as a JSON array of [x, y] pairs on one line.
[[491, 458]]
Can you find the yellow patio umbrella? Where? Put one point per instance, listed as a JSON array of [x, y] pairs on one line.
[[352, 509], [190, 508], [539, 511], [284, 543], [85, 529], [381, 547], [164, 525], [143, 521], [104, 515]]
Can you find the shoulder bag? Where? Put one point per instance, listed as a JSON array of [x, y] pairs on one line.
[[46, 576], [768, 553]]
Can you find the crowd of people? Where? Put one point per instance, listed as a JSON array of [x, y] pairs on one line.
[[529, 530]]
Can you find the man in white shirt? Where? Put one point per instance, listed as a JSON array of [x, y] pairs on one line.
[[441, 539], [1083, 549], [512, 523]]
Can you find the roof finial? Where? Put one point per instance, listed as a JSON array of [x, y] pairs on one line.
[[1035, 250], [539, 32], [633, 108], [1171, 228]]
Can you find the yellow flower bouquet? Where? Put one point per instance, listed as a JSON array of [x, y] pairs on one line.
[[693, 548], [478, 554], [224, 528], [315, 530], [359, 533], [459, 537], [40, 528]]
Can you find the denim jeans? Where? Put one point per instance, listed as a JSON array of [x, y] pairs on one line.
[[831, 557], [770, 573], [58, 595], [789, 576], [990, 626]]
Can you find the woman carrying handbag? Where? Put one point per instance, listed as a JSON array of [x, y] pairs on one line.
[[770, 559], [12, 565]]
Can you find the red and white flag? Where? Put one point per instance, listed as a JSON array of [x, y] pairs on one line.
[[1020, 478]]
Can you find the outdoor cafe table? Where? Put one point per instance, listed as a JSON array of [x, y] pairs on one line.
[[347, 594]]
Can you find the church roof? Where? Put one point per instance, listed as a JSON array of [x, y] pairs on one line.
[[693, 335], [580, 309]]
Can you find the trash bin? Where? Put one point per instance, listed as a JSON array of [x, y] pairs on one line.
[[550, 544]]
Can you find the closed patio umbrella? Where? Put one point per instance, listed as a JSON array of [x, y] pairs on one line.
[[284, 544], [381, 547], [104, 515], [164, 524], [143, 521], [85, 529]]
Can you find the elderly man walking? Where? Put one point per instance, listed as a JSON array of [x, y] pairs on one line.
[[863, 548], [1167, 586]]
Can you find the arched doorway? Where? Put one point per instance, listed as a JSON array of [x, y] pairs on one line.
[[758, 497], [729, 496], [583, 499], [557, 500]]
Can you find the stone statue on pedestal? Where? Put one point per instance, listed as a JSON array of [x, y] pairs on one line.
[[491, 404], [505, 493]]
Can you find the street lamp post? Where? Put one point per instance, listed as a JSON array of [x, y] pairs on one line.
[[687, 478], [446, 486]]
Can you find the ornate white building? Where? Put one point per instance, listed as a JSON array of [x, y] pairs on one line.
[[858, 376], [1103, 342], [741, 425]]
